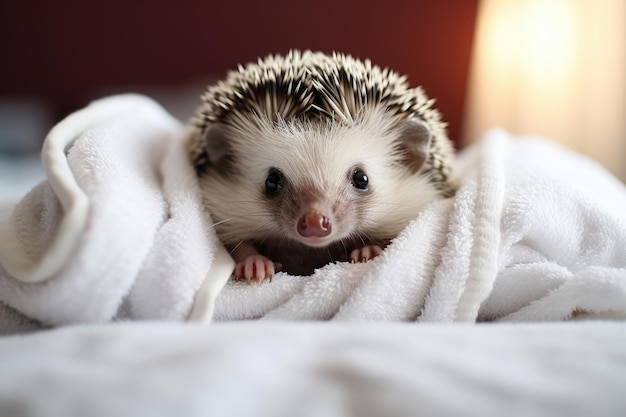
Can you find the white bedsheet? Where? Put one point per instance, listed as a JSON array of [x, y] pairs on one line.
[[316, 369]]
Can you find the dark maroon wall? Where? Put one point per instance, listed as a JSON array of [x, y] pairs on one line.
[[62, 50]]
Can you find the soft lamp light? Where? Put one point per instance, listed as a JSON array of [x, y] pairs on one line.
[[555, 68]]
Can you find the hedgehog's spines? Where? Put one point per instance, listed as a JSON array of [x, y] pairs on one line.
[[311, 86]]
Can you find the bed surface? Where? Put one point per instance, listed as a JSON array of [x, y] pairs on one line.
[[316, 369]]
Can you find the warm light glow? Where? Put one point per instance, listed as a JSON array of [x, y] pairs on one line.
[[555, 68], [537, 36], [550, 35]]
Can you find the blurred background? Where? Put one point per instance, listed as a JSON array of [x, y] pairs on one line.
[[548, 67], [555, 68]]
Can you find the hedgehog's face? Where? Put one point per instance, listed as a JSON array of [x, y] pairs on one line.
[[316, 184], [313, 211]]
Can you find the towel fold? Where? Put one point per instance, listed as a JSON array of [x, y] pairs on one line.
[[117, 231]]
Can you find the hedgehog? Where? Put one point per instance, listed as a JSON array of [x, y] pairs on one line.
[[308, 159]]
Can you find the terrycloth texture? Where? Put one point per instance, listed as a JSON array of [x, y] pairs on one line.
[[117, 230], [535, 232]]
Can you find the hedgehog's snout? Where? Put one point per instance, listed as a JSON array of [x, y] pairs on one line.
[[319, 215], [314, 225]]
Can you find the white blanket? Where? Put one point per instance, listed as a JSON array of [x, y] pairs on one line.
[[117, 231]]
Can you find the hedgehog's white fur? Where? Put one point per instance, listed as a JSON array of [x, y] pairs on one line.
[[316, 117], [319, 155]]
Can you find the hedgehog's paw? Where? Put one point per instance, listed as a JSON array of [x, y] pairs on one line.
[[365, 253], [256, 268]]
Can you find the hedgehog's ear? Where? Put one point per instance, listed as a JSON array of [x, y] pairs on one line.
[[415, 140], [216, 143]]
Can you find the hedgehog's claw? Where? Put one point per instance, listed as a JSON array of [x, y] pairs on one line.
[[255, 267], [365, 253]]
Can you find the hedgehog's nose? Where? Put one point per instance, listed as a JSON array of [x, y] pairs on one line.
[[314, 224]]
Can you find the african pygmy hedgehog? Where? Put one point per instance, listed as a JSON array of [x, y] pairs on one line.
[[308, 158]]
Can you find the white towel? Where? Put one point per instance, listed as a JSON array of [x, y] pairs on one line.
[[117, 231], [535, 233]]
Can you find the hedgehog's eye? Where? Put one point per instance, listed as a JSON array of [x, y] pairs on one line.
[[274, 182], [360, 180]]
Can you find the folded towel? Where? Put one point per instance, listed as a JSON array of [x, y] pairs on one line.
[[535, 232], [117, 231]]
